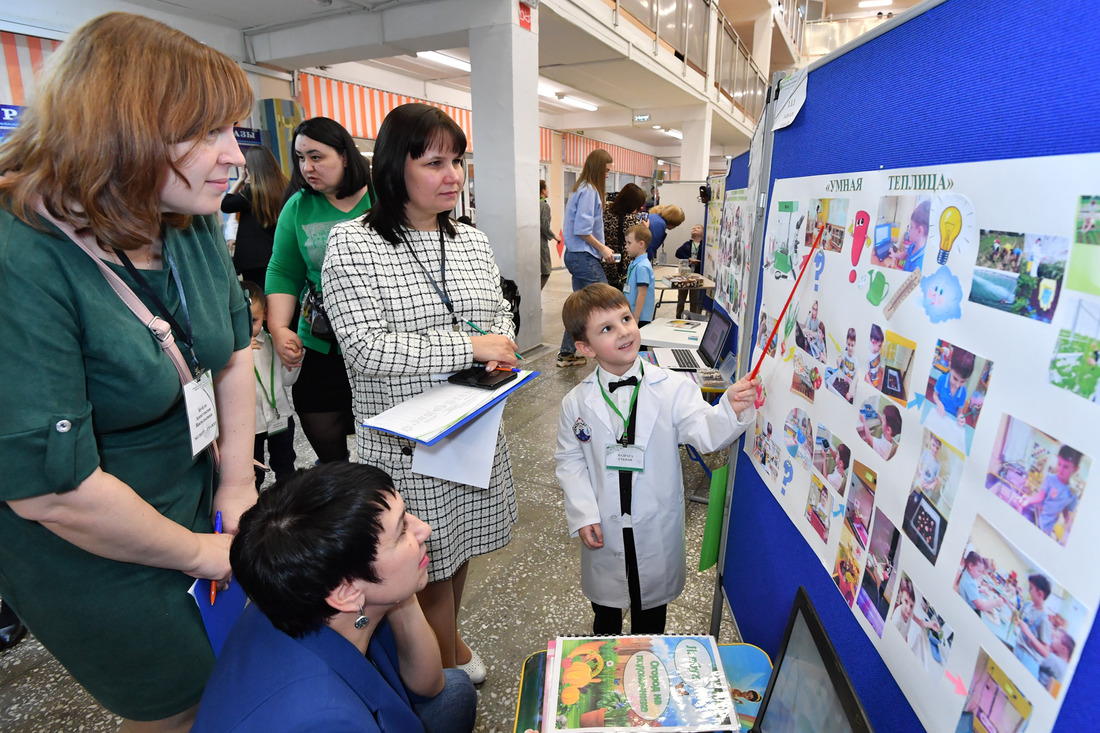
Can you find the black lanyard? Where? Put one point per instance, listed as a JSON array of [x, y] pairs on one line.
[[440, 291], [183, 333]]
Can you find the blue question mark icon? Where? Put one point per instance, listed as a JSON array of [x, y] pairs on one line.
[[819, 267], [788, 474]]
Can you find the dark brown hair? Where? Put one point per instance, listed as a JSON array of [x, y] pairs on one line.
[[629, 200], [407, 133], [267, 183], [96, 142]]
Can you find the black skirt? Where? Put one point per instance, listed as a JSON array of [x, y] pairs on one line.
[[322, 385]]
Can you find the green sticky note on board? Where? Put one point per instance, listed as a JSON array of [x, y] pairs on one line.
[[712, 531]]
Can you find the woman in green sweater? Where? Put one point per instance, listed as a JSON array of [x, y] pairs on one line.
[[330, 181]]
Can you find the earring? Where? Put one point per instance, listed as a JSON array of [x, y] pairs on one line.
[[362, 620]]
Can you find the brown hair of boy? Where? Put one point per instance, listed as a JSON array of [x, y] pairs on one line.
[[641, 233], [579, 306]]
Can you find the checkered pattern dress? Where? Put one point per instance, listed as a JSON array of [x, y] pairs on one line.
[[395, 333]]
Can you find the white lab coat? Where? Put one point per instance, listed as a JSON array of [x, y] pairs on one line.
[[262, 357], [670, 411]]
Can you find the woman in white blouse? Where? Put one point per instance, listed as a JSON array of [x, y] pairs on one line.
[[407, 289]]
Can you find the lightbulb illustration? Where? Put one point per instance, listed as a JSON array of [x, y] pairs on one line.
[[950, 226]]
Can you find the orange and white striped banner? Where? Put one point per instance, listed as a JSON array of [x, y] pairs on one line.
[[23, 57], [576, 148], [361, 109], [546, 144]]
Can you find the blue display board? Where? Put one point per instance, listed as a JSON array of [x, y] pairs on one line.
[[959, 82], [738, 176]]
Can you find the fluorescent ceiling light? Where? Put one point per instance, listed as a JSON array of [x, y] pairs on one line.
[[442, 58], [578, 103], [675, 133], [875, 3], [656, 127], [660, 162], [545, 91]]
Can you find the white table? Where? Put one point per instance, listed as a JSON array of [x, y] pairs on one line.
[[673, 333]]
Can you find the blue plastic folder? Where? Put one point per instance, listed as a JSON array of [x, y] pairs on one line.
[[220, 617], [431, 401]]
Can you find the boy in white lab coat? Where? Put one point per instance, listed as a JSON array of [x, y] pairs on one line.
[[274, 413], [618, 461]]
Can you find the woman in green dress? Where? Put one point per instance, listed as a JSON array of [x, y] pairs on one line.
[[106, 509]]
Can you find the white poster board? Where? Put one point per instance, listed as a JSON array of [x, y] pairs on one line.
[[933, 435], [731, 266], [684, 194]]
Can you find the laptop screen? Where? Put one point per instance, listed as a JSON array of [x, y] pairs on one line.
[[714, 337], [809, 689]]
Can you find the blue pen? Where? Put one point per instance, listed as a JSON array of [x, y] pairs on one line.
[[214, 583], [477, 328]]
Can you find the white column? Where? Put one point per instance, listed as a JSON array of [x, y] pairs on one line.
[[504, 87], [762, 29], [695, 148]]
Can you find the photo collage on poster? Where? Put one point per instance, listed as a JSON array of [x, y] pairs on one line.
[[731, 258], [920, 313]]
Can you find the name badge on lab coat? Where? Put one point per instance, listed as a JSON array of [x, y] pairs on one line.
[[278, 425], [202, 411], [625, 457]]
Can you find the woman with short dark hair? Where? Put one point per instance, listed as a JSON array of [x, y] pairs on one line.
[[409, 289], [329, 185], [334, 638]]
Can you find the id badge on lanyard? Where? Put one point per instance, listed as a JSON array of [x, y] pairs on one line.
[[619, 457], [202, 411]]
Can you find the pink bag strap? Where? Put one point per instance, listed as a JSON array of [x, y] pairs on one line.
[[159, 328]]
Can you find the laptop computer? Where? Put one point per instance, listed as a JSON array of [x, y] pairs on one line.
[[809, 686], [708, 353]]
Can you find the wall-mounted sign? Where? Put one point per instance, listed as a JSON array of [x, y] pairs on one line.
[[9, 119], [247, 136]]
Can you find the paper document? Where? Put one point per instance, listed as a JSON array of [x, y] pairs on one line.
[[466, 455], [792, 95], [435, 412]]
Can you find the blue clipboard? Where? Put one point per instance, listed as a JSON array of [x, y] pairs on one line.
[[500, 394]]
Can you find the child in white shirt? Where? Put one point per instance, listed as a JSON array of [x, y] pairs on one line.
[[618, 461], [274, 413]]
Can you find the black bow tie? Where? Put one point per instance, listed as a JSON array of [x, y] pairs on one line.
[[628, 382]]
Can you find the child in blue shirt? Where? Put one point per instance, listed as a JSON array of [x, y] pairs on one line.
[[639, 278], [949, 396]]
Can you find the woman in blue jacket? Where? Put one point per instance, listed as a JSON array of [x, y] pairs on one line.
[[334, 638], [584, 238]]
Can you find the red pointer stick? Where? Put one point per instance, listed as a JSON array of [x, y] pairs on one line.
[[775, 328]]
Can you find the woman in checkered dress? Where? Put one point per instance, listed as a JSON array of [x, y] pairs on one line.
[[401, 285]]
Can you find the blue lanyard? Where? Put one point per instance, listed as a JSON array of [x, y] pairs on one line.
[[183, 333]]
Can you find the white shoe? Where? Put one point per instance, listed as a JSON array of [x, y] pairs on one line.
[[475, 668]]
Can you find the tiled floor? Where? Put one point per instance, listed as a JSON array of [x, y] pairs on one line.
[[515, 598]]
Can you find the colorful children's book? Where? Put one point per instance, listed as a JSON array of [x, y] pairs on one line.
[[630, 683]]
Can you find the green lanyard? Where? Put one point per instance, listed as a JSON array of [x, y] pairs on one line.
[[633, 398], [271, 382]]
